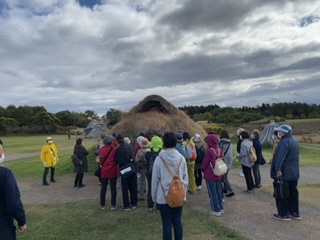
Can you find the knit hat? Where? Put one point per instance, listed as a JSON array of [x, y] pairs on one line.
[[144, 143], [127, 140], [197, 138], [179, 137]]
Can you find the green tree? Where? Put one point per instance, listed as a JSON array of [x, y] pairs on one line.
[[114, 116], [8, 125]]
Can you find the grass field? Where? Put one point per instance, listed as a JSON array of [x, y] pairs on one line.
[[85, 220]]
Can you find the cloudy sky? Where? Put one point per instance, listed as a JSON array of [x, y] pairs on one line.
[[100, 54]]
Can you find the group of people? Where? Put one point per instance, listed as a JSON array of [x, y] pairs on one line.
[[153, 160]]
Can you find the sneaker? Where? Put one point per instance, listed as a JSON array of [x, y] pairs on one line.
[[45, 184], [281, 218], [199, 188], [230, 194], [133, 206], [150, 210], [113, 207], [103, 207], [222, 211], [257, 186], [52, 180], [241, 174], [127, 209], [213, 213], [81, 186], [223, 200], [295, 216], [248, 191]]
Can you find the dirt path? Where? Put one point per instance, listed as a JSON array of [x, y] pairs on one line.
[[250, 214]]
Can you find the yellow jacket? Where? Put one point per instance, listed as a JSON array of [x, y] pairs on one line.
[[49, 155]]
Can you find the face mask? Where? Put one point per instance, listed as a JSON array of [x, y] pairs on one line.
[[241, 138], [279, 135], [50, 142], [252, 136]]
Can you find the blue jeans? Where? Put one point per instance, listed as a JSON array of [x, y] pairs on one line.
[[215, 195], [171, 217]]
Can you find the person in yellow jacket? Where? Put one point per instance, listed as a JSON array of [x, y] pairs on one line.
[[49, 158], [188, 143]]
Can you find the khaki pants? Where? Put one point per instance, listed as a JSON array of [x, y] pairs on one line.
[[192, 179]]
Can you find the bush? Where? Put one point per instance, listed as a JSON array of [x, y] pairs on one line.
[[215, 129]]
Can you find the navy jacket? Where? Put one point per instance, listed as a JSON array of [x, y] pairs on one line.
[[124, 154], [286, 159], [257, 146], [10, 203]]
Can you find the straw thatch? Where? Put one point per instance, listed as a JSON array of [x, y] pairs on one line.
[[267, 133], [154, 114], [95, 128]]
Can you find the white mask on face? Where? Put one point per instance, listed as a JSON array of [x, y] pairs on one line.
[[241, 138], [50, 142], [279, 135], [252, 136]]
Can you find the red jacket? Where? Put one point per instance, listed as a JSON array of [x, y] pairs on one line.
[[211, 157], [110, 169]]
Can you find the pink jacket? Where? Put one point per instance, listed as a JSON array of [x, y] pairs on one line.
[[211, 157]]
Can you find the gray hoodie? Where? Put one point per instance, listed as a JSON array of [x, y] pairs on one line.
[[246, 144], [161, 175]]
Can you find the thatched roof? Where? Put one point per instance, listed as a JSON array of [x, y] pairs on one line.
[[154, 114], [95, 128]]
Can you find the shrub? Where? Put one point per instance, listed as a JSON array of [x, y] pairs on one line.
[[215, 129]]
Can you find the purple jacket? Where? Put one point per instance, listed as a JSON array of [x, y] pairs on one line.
[[211, 157]]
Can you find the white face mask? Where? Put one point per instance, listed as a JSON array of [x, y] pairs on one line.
[[50, 142], [279, 135], [252, 136]]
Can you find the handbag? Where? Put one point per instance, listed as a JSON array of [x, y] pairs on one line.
[[75, 160], [262, 160], [97, 173], [128, 170], [220, 168], [281, 189]]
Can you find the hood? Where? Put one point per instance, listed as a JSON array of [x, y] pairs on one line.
[[213, 141], [172, 157], [156, 142]]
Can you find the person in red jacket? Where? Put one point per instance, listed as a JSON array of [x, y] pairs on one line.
[[213, 181], [109, 171]]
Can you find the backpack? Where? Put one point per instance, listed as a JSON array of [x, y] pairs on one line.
[[149, 159], [252, 155], [75, 160], [220, 168], [191, 153], [176, 194], [200, 154]]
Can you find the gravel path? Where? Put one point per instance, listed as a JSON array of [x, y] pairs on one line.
[[250, 214]]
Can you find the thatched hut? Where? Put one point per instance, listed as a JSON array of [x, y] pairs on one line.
[[154, 114]]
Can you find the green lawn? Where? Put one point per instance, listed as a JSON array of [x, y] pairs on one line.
[[85, 220]]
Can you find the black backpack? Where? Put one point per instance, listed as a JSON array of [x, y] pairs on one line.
[[150, 157], [200, 154]]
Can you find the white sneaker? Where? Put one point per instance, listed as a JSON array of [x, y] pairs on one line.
[[199, 188], [222, 211], [213, 213], [241, 174]]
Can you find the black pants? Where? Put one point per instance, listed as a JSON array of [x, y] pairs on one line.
[[78, 179], [46, 171], [8, 233], [149, 180], [198, 176], [129, 185], [103, 191], [291, 204], [248, 176], [100, 175], [256, 174]]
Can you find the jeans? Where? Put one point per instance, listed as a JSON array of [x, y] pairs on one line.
[[256, 174], [142, 183], [198, 176], [215, 195], [192, 180], [129, 184], [226, 183], [248, 176], [171, 217], [103, 191], [46, 171], [78, 179], [291, 204]]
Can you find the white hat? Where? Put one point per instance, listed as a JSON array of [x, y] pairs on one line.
[[284, 128], [49, 138], [196, 138], [240, 130]]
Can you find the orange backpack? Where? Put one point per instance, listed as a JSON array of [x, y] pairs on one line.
[[176, 194]]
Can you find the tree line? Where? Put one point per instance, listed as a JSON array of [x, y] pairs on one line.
[[240, 115]]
